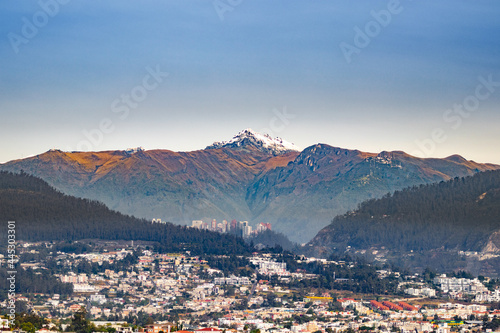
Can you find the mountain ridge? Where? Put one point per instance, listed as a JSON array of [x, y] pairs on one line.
[[298, 192]]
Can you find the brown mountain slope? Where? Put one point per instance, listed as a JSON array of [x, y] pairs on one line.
[[325, 181], [299, 193], [175, 186]]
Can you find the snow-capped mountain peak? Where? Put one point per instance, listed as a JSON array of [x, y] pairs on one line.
[[264, 142]]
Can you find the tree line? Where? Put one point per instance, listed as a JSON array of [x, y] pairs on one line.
[[457, 214], [45, 214]]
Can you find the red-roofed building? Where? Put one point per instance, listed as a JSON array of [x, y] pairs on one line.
[[208, 330], [345, 302], [75, 307]]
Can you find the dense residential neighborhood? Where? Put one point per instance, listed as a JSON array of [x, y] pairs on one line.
[[127, 287]]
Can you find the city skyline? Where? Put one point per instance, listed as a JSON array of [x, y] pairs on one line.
[[421, 77]]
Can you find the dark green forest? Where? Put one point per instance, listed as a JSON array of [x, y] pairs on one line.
[[30, 281], [458, 214], [43, 213], [270, 238], [349, 273]]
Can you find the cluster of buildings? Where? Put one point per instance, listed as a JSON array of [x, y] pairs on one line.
[[354, 314], [488, 296], [241, 228], [458, 287], [266, 266], [452, 287], [232, 280], [161, 283], [425, 292]]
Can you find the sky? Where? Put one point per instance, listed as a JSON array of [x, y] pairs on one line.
[[418, 76]]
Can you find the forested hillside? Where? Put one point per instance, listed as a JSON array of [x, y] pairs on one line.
[[42, 213], [462, 214]]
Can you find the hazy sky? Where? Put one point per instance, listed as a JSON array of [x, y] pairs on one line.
[[418, 76]]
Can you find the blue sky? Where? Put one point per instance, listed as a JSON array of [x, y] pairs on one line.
[[262, 59]]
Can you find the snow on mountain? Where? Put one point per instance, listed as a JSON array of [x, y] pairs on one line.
[[264, 142]]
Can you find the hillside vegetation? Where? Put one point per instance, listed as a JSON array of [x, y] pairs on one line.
[[462, 214], [42, 213]]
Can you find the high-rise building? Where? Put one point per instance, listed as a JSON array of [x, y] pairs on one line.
[[214, 225], [247, 230], [234, 224], [263, 227], [197, 224]]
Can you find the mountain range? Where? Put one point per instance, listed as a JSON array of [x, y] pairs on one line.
[[251, 177]]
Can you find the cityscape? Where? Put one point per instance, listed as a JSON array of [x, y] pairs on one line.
[[241, 228], [125, 289]]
